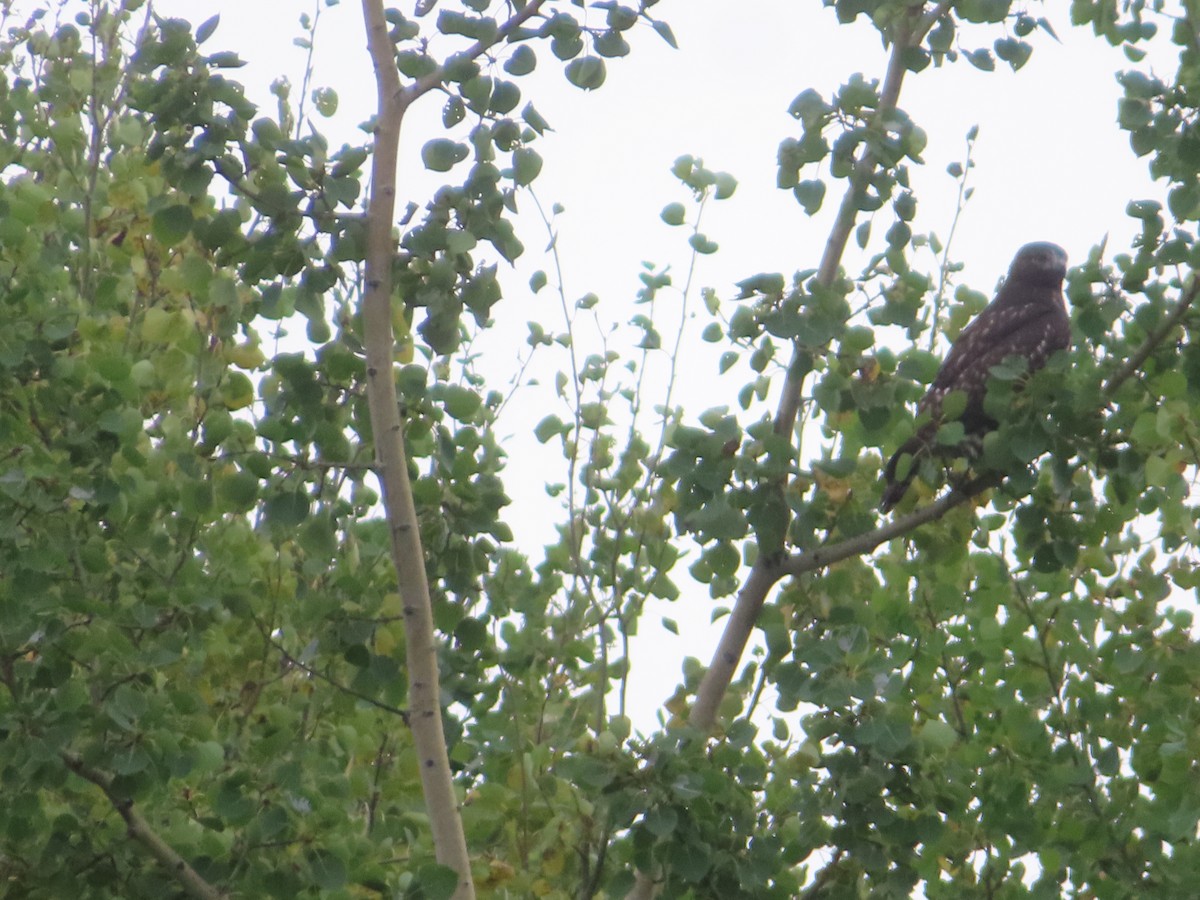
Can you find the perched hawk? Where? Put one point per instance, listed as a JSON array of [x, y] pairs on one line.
[[1027, 319]]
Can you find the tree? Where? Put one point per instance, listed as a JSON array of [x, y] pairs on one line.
[[224, 674]]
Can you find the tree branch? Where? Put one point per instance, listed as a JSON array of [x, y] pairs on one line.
[[427, 83], [1156, 337], [316, 673], [839, 235], [811, 560], [391, 459], [136, 826], [765, 575]]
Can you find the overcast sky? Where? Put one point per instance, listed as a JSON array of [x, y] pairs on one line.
[[1050, 165]]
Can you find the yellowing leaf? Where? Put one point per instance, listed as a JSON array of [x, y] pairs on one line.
[[245, 356], [237, 391], [387, 639], [155, 324], [552, 863], [391, 605], [838, 489]]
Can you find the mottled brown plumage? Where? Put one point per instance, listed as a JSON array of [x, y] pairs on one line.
[[1028, 319]]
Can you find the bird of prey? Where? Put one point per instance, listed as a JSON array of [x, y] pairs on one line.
[[1028, 319]]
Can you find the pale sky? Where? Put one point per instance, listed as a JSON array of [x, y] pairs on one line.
[[1050, 165]]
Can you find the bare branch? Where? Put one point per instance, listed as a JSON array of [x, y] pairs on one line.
[[192, 883]]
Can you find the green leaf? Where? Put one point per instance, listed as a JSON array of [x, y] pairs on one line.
[[123, 422], [209, 757], [478, 28], [442, 154], [328, 871], [505, 97], [981, 59], [534, 119], [326, 101], [898, 235], [453, 112], [954, 404], [437, 882], [691, 861], [1145, 210], [172, 224], [919, 365], [889, 738], [471, 634], [811, 195], [126, 706], [206, 29], [226, 60], [725, 185], [611, 44], [673, 213], [461, 403], [1014, 52], [522, 62], [664, 31], [661, 821], [113, 369], [527, 165], [985, 10], [951, 434], [1026, 444], [769, 283], [287, 510], [548, 428], [587, 73]]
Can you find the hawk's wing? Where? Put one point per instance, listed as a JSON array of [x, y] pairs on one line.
[[1030, 331]]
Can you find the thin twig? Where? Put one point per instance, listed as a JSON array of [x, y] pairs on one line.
[[308, 67], [944, 269], [316, 673], [821, 557]]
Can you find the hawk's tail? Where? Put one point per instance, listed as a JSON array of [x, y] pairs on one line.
[[893, 491]]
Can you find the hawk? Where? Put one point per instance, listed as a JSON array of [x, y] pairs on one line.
[[1028, 319]]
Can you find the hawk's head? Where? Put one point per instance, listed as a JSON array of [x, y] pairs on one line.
[[1039, 263]]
